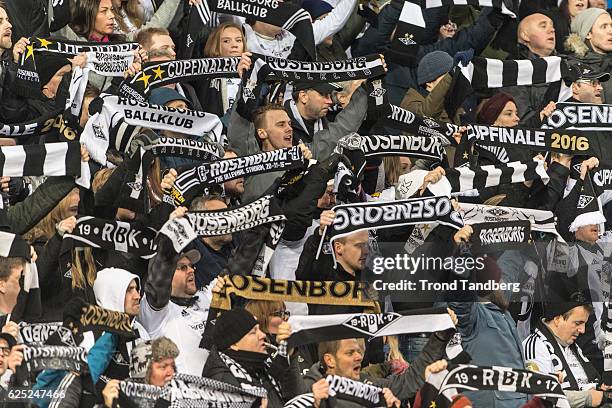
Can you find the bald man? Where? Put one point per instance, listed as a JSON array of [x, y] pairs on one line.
[[537, 33]]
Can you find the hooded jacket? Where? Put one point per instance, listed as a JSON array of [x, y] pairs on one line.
[[584, 53]]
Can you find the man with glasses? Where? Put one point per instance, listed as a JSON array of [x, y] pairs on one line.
[[11, 358], [173, 306], [588, 87]]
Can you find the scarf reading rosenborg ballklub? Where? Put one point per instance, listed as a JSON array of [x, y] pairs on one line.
[[27, 81], [110, 125], [288, 16]]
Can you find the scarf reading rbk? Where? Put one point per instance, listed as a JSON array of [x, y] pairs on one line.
[[160, 74], [288, 16], [351, 218], [105, 128], [112, 235], [319, 328], [27, 81], [44, 357], [194, 180], [441, 387]]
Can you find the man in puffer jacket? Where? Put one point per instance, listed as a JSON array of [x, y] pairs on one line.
[[591, 42]]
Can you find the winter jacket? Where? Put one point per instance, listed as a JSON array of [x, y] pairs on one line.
[[404, 386], [211, 262], [584, 53], [342, 39], [529, 99], [481, 325], [286, 375], [400, 78]]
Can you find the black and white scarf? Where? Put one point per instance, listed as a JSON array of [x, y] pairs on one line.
[[39, 333], [344, 389], [463, 179], [575, 142], [487, 73], [583, 116], [405, 120], [12, 245], [160, 74], [188, 391], [187, 148], [500, 236], [80, 316], [541, 221], [288, 16], [27, 82], [194, 180], [110, 126], [113, 64], [48, 159], [43, 357], [112, 235], [429, 148], [133, 394], [441, 387], [316, 329], [351, 218], [558, 359]]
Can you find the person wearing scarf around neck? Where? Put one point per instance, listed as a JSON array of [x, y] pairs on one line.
[[94, 20], [239, 357]]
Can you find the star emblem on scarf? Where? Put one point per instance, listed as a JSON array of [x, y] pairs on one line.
[[158, 73], [465, 155], [433, 404], [44, 42], [30, 51], [144, 78]]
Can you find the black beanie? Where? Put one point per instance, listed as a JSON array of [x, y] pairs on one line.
[[48, 64], [231, 326]]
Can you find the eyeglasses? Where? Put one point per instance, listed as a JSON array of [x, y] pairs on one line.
[[283, 314], [593, 82], [185, 267], [5, 351]]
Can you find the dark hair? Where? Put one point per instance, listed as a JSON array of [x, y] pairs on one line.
[[587, 306], [8, 264], [84, 14], [564, 10], [332, 347]]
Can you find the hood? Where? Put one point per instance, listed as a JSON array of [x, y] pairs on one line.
[[110, 287], [574, 43]]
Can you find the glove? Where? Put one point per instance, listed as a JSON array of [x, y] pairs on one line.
[[464, 57], [496, 18], [18, 190]]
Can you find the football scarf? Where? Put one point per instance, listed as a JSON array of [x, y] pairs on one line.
[[558, 358], [429, 148], [43, 357], [319, 328], [185, 391], [133, 394], [485, 73], [193, 181], [12, 245], [187, 148], [264, 210], [107, 127], [583, 116], [351, 218], [441, 387], [301, 401], [575, 142], [48, 159], [463, 179], [113, 64], [288, 16], [159, 74], [588, 209], [404, 120], [313, 292], [365, 395], [179, 231], [80, 316], [39, 333], [499, 236], [27, 81], [112, 235], [541, 221]]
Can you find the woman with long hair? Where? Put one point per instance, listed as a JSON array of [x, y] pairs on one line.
[[218, 94]]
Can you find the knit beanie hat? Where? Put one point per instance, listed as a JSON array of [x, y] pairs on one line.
[[147, 352], [433, 65], [47, 66], [491, 109], [583, 22], [316, 8], [231, 326]]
